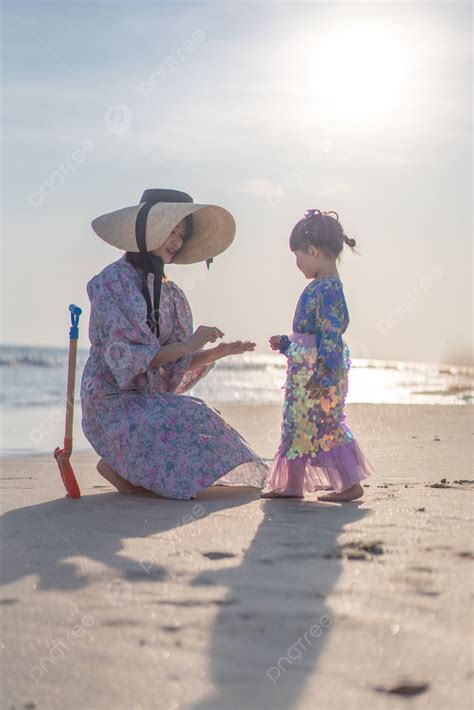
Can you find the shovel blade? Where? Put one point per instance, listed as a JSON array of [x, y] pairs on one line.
[[67, 474]]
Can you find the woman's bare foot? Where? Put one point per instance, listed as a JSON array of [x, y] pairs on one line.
[[351, 493], [116, 480], [273, 494]]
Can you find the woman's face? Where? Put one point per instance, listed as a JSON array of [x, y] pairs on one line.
[[172, 243]]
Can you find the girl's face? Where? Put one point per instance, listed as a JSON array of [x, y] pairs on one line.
[[309, 261], [172, 243]]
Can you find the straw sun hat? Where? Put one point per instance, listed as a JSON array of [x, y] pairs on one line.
[[145, 227]]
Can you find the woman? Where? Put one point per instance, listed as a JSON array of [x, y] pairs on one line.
[[143, 358]]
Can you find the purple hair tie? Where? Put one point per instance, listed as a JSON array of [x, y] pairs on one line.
[[312, 213]]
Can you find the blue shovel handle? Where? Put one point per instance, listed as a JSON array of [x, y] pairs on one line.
[[74, 329]]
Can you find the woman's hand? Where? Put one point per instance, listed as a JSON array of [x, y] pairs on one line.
[[236, 348], [202, 336], [275, 342], [206, 357]]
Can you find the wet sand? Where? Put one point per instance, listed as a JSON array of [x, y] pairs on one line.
[[232, 602]]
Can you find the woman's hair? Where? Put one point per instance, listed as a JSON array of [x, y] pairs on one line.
[[136, 258], [320, 230]]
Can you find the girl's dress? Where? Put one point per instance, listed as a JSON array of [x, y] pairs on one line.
[[317, 449], [136, 417]]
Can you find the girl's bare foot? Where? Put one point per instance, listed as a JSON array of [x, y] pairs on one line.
[[116, 480], [273, 494], [351, 493]]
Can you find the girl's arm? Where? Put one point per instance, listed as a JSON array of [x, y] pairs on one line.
[[330, 319]]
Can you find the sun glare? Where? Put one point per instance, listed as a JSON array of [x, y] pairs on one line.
[[358, 75]]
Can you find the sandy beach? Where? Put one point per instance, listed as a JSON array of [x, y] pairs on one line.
[[232, 602]]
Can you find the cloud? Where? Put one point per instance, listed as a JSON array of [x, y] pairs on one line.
[[335, 187], [371, 157], [262, 188]]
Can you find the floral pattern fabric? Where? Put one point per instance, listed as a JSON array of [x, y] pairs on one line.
[[137, 418], [311, 425], [317, 448]]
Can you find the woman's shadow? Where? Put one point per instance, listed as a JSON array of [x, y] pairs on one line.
[[41, 539], [274, 622], [273, 619]]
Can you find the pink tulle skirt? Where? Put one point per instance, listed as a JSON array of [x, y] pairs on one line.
[[339, 469]]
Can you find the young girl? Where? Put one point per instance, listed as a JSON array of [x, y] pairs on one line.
[[317, 450]]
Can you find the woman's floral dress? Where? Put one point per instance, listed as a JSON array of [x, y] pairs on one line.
[[317, 448], [136, 417]]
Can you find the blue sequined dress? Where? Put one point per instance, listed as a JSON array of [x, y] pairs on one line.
[[317, 449]]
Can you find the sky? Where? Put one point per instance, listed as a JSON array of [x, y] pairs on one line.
[[265, 108]]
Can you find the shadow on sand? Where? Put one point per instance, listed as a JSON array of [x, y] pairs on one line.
[[95, 527], [273, 620]]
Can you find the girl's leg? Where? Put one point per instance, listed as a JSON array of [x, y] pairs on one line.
[[352, 493], [116, 479], [285, 478]]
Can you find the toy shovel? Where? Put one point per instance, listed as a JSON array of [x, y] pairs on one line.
[[62, 456]]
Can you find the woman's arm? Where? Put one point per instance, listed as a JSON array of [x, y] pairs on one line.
[[169, 353], [206, 357], [174, 351]]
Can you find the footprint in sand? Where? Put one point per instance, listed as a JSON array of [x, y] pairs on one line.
[[120, 622]]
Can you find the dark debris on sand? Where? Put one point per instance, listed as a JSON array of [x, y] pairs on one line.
[[442, 484], [355, 551], [406, 688], [362, 551], [218, 555]]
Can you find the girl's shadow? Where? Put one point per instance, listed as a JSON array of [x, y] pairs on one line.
[[274, 621]]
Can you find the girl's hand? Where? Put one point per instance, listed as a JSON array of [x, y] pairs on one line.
[[275, 342], [202, 336], [236, 348]]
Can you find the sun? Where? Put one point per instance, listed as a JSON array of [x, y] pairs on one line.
[[358, 74]]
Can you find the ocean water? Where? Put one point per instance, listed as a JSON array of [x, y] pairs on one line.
[[33, 390]]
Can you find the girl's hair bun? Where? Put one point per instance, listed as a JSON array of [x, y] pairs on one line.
[[312, 213], [320, 229]]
